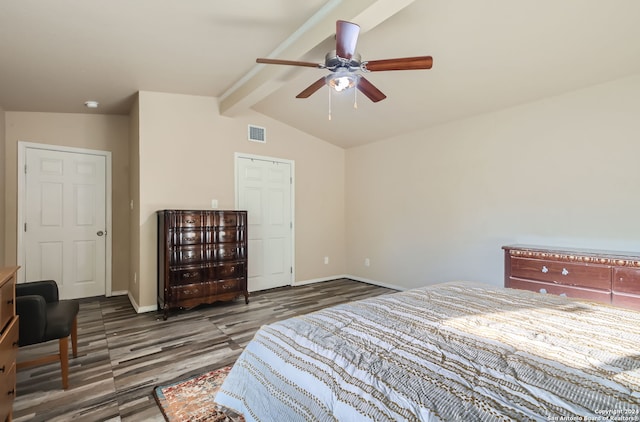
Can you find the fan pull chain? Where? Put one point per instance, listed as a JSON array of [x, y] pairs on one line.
[[329, 103], [355, 96]]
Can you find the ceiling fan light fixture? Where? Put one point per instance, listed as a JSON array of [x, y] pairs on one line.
[[341, 81]]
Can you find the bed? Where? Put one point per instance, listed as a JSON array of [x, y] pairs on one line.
[[452, 351]]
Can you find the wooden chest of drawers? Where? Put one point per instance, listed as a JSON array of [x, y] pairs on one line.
[[8, 341], [202, 257], [603, 276]]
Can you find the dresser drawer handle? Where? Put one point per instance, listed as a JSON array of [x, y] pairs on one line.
[[11, 392], [545, 269], [189, 220], [189, 275], [10, 301], [565, 271]]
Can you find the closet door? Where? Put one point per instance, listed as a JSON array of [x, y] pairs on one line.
[[264, 190], [65, 221]]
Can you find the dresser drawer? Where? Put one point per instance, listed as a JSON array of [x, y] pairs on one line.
[[563, 273], [189, 237], [187, 255], [188, 275], [190, 291], [204, 290], [229, 252], [557, 289], [626, 287], [229, 219], [626, 280], [7, 302], [9, 346], [228, 286], [626, 300], [8, 391], [188, 219], [230, 270], [229, 235]]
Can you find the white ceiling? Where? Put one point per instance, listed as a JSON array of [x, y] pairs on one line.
[[488, 55]]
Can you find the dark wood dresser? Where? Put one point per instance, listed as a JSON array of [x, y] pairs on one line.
[[202, 257], [8, 341], [602, 276]]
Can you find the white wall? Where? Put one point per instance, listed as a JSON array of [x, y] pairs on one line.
[[186, 152], [3, 155], [91, 131], [437, 205]]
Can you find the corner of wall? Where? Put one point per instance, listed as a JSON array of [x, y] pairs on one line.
[[3, 147], [134, 209]]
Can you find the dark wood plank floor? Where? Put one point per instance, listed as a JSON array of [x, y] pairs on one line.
[[122, 355]]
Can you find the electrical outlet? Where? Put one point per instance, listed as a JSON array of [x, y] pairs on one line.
[[214, 203], [326, 259], [367, 262]]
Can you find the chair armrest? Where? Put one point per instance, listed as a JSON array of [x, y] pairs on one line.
[[45, 288], [32, 310]]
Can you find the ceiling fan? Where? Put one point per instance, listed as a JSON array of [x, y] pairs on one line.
[[344, 62]]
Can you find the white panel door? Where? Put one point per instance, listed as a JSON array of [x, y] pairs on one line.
[[264, 190], [65, 221]]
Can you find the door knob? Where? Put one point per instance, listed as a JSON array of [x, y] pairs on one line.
[[100, 233]]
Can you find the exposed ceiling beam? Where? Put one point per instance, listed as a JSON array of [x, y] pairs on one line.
[[262, 80]]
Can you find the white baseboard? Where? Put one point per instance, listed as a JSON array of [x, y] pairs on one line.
[[119, 293], [141, 309], [352, 277], [145, 309], [375, 283], [317, 280]]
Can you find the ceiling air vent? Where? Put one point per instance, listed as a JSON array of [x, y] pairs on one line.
[[257, 134]]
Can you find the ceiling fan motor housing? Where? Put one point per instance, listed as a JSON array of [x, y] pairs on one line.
[[333, 62]]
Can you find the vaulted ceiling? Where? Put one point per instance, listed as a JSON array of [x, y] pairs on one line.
[[488, 55]]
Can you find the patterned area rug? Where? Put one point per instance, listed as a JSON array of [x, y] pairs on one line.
[[191, 400]]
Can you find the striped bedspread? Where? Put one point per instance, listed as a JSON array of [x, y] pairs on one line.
[[453, 351]]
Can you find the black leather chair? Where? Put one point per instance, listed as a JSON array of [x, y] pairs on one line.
[[44, 317]]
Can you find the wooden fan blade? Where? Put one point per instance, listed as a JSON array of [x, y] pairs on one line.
[[406, 63], [346, 39], [289, 63], [312, 88], [368, 89]]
